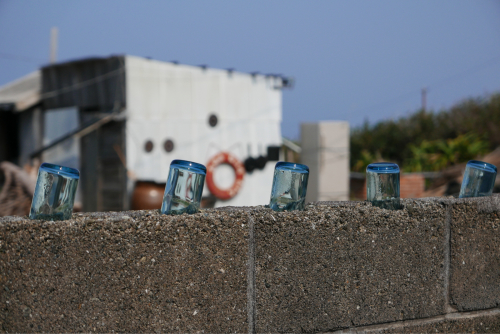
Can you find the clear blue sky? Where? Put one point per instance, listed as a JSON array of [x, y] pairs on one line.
[[352, 60]]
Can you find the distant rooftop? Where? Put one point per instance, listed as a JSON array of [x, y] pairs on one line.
[[21, 93]]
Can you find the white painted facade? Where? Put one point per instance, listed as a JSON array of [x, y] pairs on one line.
[[169, 101]]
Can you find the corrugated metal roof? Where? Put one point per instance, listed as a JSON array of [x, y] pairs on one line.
[[23, 92]]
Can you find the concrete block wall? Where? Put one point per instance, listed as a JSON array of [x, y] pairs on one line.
[[336, 267]]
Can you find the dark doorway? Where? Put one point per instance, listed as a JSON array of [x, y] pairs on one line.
[[103, 175], [9, 136]]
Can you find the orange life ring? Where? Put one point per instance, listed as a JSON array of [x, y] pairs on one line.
[[239, 171]]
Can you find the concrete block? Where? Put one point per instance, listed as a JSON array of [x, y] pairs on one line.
[[335, 266], [345, 264], [482, 323], [126, 272], [475, 253]]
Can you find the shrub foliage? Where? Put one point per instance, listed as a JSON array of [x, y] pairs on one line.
[[430, 141]]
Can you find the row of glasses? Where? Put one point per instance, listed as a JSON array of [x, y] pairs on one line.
[[186, 179], [382, 182], [56, 187]]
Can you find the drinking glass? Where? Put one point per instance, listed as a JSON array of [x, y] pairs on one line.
[[289, 186], [382, 185], [479, 179], [184, 188], [55, 192]]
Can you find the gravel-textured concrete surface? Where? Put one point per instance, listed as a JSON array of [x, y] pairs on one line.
[[475, 253], [345, 264], [482, 324], [337, 265], [126, 272]]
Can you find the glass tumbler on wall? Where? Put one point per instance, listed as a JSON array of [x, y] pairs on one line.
[[184, 188], [55, 192], [289, 186], [382, 185], [479, 179]]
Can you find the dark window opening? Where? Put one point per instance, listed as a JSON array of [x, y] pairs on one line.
[[168, 145], [149, 146], [212, 120]]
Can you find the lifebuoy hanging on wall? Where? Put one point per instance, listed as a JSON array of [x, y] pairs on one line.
[[239, 172]]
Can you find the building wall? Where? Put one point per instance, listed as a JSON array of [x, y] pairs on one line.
[[168, 101], [310, 143], [91, 84], [325, 149], [412, 185], [87, 89], [30, 133]]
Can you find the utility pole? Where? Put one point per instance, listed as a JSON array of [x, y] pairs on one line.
[[424, 98], [53, 45]]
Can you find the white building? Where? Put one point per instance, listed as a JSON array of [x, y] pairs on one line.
[[130, 113]]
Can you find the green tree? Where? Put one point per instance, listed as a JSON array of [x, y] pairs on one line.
[[439, 154], [409, 138]]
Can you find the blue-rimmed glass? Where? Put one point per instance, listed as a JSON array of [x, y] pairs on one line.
[[55, 192], [479, 179], [184, 188], [382, 185], [289, 186]]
